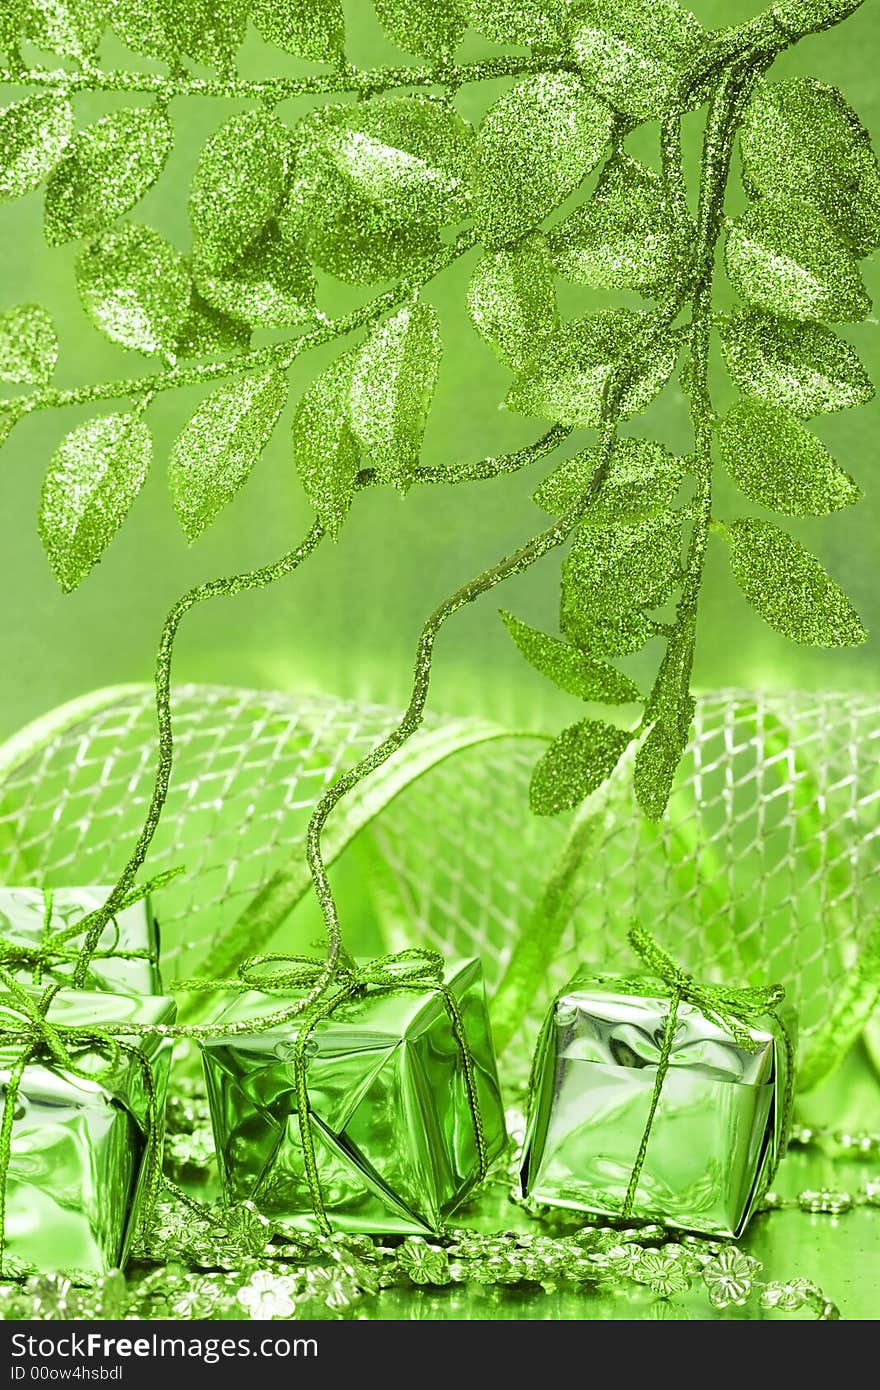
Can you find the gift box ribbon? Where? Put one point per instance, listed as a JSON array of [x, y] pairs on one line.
[[24, 1022], [414, 969]]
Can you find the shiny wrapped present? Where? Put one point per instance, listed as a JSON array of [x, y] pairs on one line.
[[378, 1114], [659, 1099], [87, 1101], [41, 934]]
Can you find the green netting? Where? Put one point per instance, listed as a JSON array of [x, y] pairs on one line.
[[767, 867]]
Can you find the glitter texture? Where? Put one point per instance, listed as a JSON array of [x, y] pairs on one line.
[[626, 236], [631, 51], [70, 27], [33, 136], [238, 184], [136, 288], [567, 382], [802, 367], [104, 171], [570, 669], [534, 146], [210, 31], [210, 333], [214, 454], [781, 465], [270, 286], [92, 480], [786, 258], [802, 139], [512, 300], [576, 763], [324, 447], [643, 477], [310, 28], [28, 345], [428, 28], [394, 376], [522, 21], [617, 568], [788, 587]]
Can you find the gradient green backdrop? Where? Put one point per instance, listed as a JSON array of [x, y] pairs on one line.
[[348, 622]]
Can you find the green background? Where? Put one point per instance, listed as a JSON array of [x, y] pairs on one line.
[[348, 622]]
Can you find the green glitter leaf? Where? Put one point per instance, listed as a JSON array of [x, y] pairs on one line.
[[210, 333], [567, 381], [512, 300], [788, 587], [211, 31], [409, 155], [800, 366], [781, 465], [534, 146], [324, 446], [33, 136], [312, 29], [642, 479], [69, 27], [428, 28], [785, 257], [239, 182], [144, 26], [528, 22], [136, 288], [802, 139], [92, 481], [576, 764], [11, 17], [670, 710], [569, 668], [271, 285], [394, 376], [28, 345], [632, 52], [215, 453], [346, 233], [104, 171], [615, 568], [626, 236]]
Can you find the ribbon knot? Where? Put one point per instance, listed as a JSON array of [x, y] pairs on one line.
[[411, 969], [737, 1009]]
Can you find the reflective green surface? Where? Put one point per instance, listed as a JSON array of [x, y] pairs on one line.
[[23, 922], [73, 1190], [392, 1129], [714, 1133]]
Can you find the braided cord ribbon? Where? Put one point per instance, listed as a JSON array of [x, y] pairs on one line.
[[24, 1024], [414, 969], [737, 1010]]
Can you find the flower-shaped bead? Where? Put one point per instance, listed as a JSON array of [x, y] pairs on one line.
[[729, 1278], [663, 1271], [268, 1295], [788, 1297], [423, 1263]]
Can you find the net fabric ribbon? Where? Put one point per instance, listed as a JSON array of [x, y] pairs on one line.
[[414, 969], [24, 1024]]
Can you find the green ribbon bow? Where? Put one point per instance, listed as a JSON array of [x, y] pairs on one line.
[[736, 1010], [414, 969], [24, 1023]]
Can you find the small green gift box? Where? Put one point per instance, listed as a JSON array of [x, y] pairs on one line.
[[391, 1099], [40, 938], [87, 1101], [659, 1099]]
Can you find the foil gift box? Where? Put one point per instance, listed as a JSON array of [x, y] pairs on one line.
[[128, 951], [717, 1132], [389, 1111], [75, 1183]]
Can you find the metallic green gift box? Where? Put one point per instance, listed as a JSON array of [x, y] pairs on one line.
[[389, 1113], [718, 1126], [132, 934], [76, 1174]]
